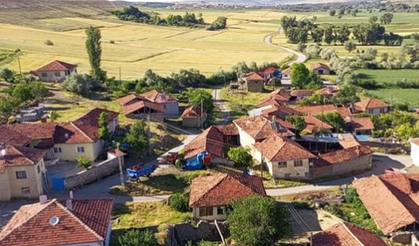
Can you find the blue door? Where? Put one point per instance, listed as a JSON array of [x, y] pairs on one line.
[[58, 184]]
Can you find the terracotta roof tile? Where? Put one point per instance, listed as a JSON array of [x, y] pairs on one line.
[[35, 131], [314, 123], [228, 130], [88, 222], [210, 140], [301, 93], [20, 156], [328, 90], [277, 110], [415, 141], [131, 108], [370, 103], [13, 137], [259, 128], [319, 65], [286, 71], [346, 234], [391, 200], [127, 99], [158, 97], [92, 117], [70, 133], [349, 143], [269, 70], [317, 109], [344, 155], [192, 112], [57, 66], [360, 123], [254, 76], [223, 188], [276, 148]]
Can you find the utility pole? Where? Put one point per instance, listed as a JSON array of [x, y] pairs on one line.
[[121, 173], [261, 166], [202, 113], [20, 68], [148, 135], [120, 80]]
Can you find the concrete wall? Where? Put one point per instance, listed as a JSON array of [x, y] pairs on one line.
[[321, 71], [321, 172], [97, 172], [171, 109], [194, 122], [415, 154], [11, 187], [245, 139], [255, 86], [53, 76], [215, 216], [377, 111], [359, 164], [290, 171], [159, 117], [69, 151]]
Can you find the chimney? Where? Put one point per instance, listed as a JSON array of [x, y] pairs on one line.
[[43, 199], [69, 204], [43, 120], [71, 194]]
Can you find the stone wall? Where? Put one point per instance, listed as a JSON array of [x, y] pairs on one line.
[[95, 173]]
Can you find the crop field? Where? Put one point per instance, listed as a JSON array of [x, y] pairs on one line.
[[395, 96], [390, 76], [138, 47]]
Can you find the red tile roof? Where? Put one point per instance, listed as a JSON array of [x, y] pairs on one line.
[[92, 117], [301, 93], [277, 110], [158, 97], [276, 148], [228, 130], [87, 223], [131, 108], [269, 70], [223, 188], [71, 134], [317, 109], [12, 137], [286, 71], [370, 103], [313, 123], [191, 112], [270, 101], [328, 90], [254, 76], [57, 66], [127, 99], [259, 128], [415, 141], [344, 155], [391, 200], [349, 143], [319, 65], [210, 140], [20, 156], [346, 234], [360, 123], [34, 131]]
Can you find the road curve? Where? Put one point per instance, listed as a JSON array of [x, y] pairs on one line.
[[300, 56]]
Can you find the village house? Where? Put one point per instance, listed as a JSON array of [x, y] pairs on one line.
[[320, 68], [298, 95], [193, 117], [346, 234], [56, 71], [359, 126], [230, 134], [210, 195], [391, 200], [371, 106], [328, 91], [286, 74], [274, 110], [71, 222], [314, 125], [284, 158], [169, 102], [22, 172], [414, 153], [324, 109], [81, 136], [254, 82]]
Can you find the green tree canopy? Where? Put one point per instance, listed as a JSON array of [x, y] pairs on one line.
[[137, 136], [257, 221], [195, 97], [7, 75], [297, 121], [104, 127], [137, 238], [299, 75], [240, 156], [78, 83], [94, 51], [334, 119]]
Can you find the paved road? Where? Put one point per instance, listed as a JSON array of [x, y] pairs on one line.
[[300, 56], [218, 102]]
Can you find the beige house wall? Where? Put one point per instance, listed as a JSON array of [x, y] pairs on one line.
[[377, 111], [69, 151], [53, 76], [255, 85], [245, 139], [290, 171], [11, 187], [215, 216]]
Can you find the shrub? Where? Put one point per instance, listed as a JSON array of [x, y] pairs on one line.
[[84, 162], [49, 43], [240, 156], [179, 202], [137, 238]]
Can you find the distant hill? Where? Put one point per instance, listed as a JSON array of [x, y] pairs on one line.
[[30, 12]]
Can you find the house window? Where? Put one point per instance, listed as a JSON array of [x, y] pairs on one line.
[[21, 174], [80, 149], [39, 168], [298, 163], [282, 164], [206, 211], [220, 210], [26, 190], [44, 75], [57, 74], [57, 150], [321, 72]]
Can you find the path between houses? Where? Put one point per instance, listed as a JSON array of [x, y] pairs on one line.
[[220, 103], [301, 58]]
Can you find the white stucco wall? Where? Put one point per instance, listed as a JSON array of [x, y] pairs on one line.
[[415, 154], [215, 215]]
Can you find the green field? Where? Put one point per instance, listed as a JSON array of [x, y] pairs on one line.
[[390, 76], [396, 96]]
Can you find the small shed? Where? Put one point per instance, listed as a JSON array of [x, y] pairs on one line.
[[193, 117], [255, 82]]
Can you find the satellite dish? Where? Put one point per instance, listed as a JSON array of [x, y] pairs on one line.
[[3, 152], [54, 220]]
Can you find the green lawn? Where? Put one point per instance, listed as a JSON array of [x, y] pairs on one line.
[[389, 76], [395, 96]]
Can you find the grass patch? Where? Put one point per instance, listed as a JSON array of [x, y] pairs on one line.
[[240, 102], [395, 96], [158, 185], [389, 75]]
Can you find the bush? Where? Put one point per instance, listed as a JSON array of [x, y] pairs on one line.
[[179, 202], [137, 238], [84, 162], [240, 156], [49, 42], [78, 83]]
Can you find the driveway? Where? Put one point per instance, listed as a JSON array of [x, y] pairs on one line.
[[220, 103], [381, 162]]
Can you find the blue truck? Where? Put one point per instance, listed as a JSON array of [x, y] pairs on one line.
[[139, 171]]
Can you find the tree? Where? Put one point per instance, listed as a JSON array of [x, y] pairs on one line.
[[240, 156], [373, 19], [350, 46], [415, 37], [386, 19], [334, 119], [137, 136], [347, 94], [343, 34], [7, 75], [257, 221], [297, 121], [328, 35], [53, 116], [94, 50], [219, 23], [104, 127], [196, 96], [332, 12], [78, 83], [179, 202], [299, 75], [83, 162], [317, 35], [137, 238]]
